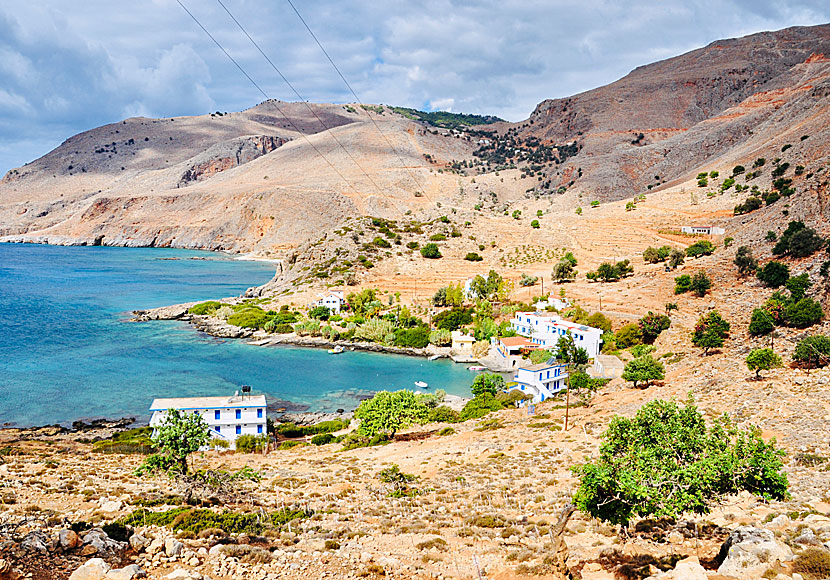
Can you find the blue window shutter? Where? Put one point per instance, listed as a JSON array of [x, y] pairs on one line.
[[238, 429], [218, 429], [259, 413], [259, 429], [238, 414], [216, 415]]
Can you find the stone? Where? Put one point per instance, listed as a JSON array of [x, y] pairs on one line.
[[35, 542], [808, 538], [178, 573], [94, 569], [366, 557], [749, 551], [138, 542], [103, 544], [780, 521], [173, 547], [4, 566], [126, 573], [154, 546], [68, 539]]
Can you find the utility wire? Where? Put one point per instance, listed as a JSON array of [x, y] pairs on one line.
[[259, 88], [309, 107], [354, 94]]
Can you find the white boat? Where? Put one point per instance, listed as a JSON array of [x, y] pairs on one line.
[[336, 350], [435, 357], [477, 368], [421, 384]]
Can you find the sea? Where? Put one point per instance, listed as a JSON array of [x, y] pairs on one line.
[[68, 351]]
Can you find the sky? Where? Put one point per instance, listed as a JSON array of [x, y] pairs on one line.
[[67, 66]]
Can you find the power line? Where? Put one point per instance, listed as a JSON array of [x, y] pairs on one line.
[[300, 97], [354, 94], [259, 88]]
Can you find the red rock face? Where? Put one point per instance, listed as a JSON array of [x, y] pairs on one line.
[[238, 152]]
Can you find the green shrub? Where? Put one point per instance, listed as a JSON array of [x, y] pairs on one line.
[[412, 245], [760, 323], [682, 284], [651, 325], [701, 248], [473, 257], [251, 317], [319, 313], [437, 238], [196, 520], [417, 337], [323, 439], [480, 406], [381, 242], [535, 224], [814, 564], [443, 414], [762, 359], [431, 251], [629, 335], [806, 312], [774, 274], [446, 431], [798, 241], [813, 351], [251, 443], [440, 337], [205, 308], [131, 441]]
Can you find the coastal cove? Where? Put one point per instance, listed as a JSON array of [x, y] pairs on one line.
[[67, 351]]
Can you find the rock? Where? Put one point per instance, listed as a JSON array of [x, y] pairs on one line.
[[4, 566], [154, 546], [749, 551], [94, 569], [68, 539], [366, 557], [35, 542], [217, 549], [780, 521], [178, 573], [138, 542], [688, 569], [808, 538], [103, 544], [173, 547], [126, 573], [111, 506]]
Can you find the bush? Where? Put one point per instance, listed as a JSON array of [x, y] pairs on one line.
[[440, 337], [473, 257], [798, 241], [251, 443], [643, 370], [710, 331], [599, 320], [480, 406], [412, 245], [377, 330], [534, 224], [813, 563], [196, 520], [323, 439], [751, 204], [760, 323], [431, 251], [682, 284], [806, 312], [629, 335], [437, 238], [417, 337], [762, 359], [654, 255], [387, 412], [251, 317], [528, 280], [608, 272], [319, 313], [453, 319], [745, 261], [798, 286], [204, 308], [774, 274], [700, 284], [676, 258], [563, 271], [701, 248], [813, 351], [651, 325], [443, 414], [487, 383]]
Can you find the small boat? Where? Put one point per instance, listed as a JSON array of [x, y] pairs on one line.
[[477, 368], [435, 357], [421, 384], [336, 350]]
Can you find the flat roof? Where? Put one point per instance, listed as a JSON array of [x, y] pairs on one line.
[[515, 341], [190, 403]]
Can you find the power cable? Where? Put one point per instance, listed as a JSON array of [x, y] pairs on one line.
[[311, 110]]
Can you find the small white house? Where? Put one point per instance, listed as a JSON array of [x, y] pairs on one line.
[[227, 417], [559, 304], [541, 381], [331, 300], [462, 344], [545, 329], [704, 230]]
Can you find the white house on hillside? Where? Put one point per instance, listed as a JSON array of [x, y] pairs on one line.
[[227, 417], [546, 328], [541, 381], [332, 300], [705, 230]]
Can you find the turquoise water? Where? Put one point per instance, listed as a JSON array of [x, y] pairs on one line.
[[67, 352]]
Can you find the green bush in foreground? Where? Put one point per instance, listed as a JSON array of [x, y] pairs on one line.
[[252, 317], [196, 520], [323, 439], [251, 443], [204, 308], [813, 351], [665, 462]]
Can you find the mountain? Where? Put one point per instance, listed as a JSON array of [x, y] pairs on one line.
[[278, 178]]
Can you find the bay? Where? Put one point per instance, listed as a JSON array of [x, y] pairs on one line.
[[67, 351]]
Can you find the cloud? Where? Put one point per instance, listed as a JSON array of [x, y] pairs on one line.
[[66, 70]]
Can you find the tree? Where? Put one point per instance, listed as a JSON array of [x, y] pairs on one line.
[[651, 325], [387, 412], [528, 280], [563, 271], [774, 274], [535, 224], [629, 335], [760, 323], [431, 251], [710, 331], [806, 312], [643, 369], [654, 255], [440, 297], [682, 284], [359, 301], [453, 319], [813, 351], [745, 261], [701, 248], [319, 313], [762, 359], [798, 286], [487, 384], [178, 435], [798, 240], [487, 288], [608, 272], [665, 462], [539, 356], [676, 259], [700, 284], [599, 320]]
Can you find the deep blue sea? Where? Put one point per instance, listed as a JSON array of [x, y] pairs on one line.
[[67, 351]]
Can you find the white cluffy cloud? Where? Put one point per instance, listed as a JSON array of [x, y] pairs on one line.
[[66, 67]]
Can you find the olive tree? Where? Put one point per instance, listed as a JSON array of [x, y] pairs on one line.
[[762, 359], [178, 435], [387, 412]]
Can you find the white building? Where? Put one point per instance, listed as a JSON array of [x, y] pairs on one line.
[[546, 328], [332, 300], [227, 417], [462, 344], [705, 230], [540, 381], [559, 304]]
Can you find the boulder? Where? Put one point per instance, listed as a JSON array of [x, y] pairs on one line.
[[103, 544], [179, 574], [173, 547], [111, 506], [154, 546], [126, 573], [749, 551], [68, 539], [138, 542], [35, 542], [688, 569], [808, 538], [94, 569]]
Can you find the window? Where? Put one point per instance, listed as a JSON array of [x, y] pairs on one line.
[[239, 429], [540, 376], [259, 429], [238, 414], [259, 413], [216, 415], [218, 429], [548, 375]]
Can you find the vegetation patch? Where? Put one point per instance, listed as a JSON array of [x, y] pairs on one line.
[[196, 520]]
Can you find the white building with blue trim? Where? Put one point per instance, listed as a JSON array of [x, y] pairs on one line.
[[227, 417], [540, 381], [546, 328]]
